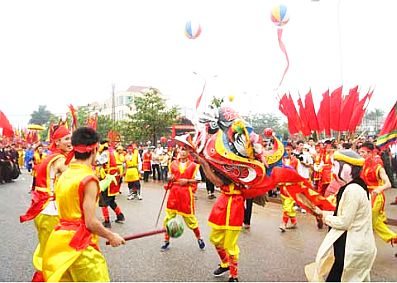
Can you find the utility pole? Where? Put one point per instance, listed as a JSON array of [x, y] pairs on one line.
[[113, 107]]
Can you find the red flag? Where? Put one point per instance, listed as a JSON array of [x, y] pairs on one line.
[[295, 119], [357, 114], [50, 132], [6, 126], [324, 113], [388, 133], [366, 103], [311, 112], [74, 117], [35, 137], [306, 131], [347, 107], [92, 121], [335, 107], [284, 106]]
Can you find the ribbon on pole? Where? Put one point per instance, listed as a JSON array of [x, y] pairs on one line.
[[284, 50], [201, 96]]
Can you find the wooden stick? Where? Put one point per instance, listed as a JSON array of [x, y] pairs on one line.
[[169, 184], [141, 235]]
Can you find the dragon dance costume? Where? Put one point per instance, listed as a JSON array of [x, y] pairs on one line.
[[232, 150]]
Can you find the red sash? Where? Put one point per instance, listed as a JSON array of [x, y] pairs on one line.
[[82, 238]]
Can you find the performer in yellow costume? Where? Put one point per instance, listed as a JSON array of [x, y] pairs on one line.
[[120, 159], [375, 177], [132, 177], [72, 252], [42, 208]]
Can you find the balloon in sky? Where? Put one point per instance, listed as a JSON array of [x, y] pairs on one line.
[[192, 30], [279, 15]]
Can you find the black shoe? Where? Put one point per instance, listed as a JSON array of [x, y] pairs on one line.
[[233, 279], [120, 218], [165, 246], [220, 271], [201, 244], [107, 224]]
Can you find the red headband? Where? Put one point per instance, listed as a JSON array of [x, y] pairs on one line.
[[59, 133], [80, 148]]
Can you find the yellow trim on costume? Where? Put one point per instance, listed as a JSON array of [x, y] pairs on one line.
[[178, 212], [353, 161], [228, 208], [220, 148], [380, 180], [277, 155], [191, 200], [44, 190], [224, 227]]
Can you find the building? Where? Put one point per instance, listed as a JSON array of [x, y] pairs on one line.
[[123, 103]]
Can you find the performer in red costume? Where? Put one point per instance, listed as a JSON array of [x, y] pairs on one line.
[[108, 195], [316, 166], [43, 208], [375, 177], [147, 164], [185, 175], [326, 169]]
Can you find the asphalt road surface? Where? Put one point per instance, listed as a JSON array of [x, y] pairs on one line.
[[266, 254]]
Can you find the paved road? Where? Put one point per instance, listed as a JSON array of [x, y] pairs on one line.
[[266, 254]]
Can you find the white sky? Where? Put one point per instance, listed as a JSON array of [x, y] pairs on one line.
[[62, 52]]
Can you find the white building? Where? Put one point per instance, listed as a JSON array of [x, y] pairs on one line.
[[123, 103]]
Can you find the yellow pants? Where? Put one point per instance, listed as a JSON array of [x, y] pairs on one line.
[[44, 225], [191, 220], [379, 218], [91, 266], [288, 205], [226, 239]]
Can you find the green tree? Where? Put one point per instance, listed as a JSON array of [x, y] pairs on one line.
[[151, 120], [41, 116], [104, 125], [260, 121], [373, 119], [82, 116], [217, 102]]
